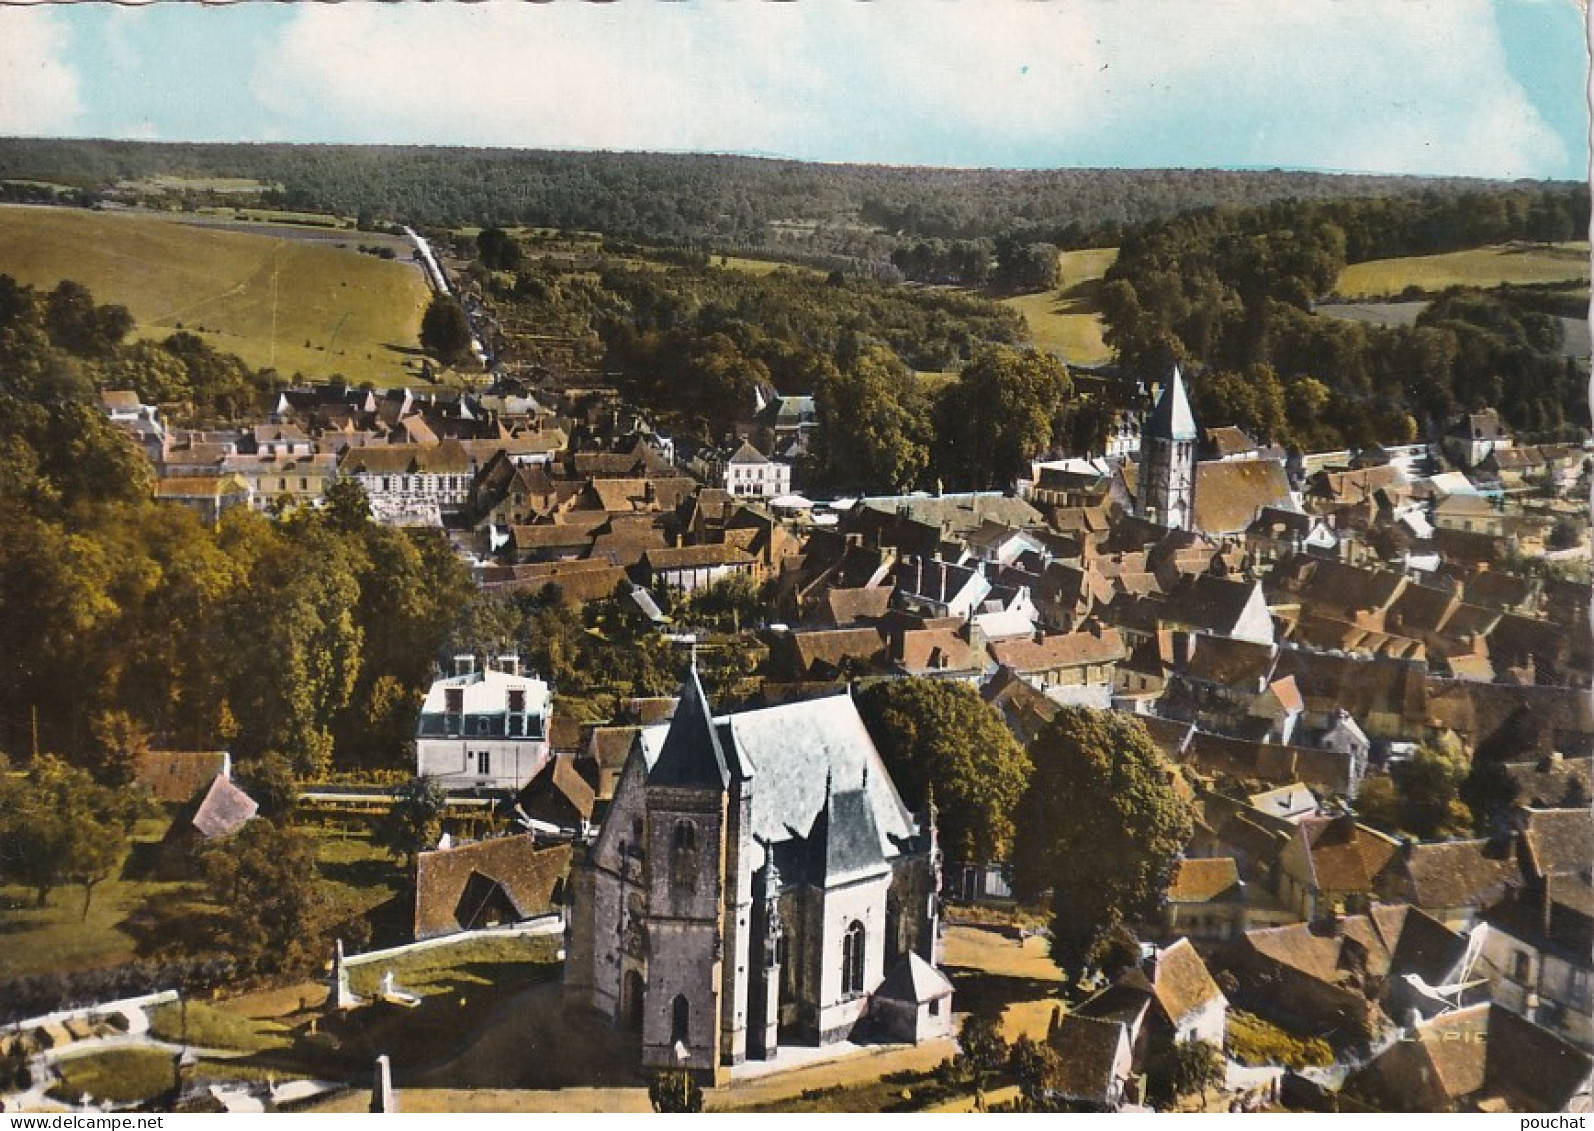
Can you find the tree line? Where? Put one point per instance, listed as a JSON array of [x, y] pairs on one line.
[[1233, 291], [694, 343], [308, 635], [857, 213]]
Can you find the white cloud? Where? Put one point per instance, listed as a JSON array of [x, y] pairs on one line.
[[1420, 86], [121, 45], [39, 92]]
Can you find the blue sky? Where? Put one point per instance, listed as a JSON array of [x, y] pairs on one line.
[[1473, 87]]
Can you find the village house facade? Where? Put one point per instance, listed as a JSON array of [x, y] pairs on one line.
[[484, 729]]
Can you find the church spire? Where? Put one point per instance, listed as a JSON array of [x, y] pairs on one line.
[[692, 754], [1171, 419], [1166, 490]]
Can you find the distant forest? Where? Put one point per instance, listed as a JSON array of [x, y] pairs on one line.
[[830, 215]]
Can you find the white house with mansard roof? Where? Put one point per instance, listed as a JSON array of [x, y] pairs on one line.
[[484, 729]]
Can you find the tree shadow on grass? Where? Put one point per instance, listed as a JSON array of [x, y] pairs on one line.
[[986, 994], [368, 873], [471, 1031]]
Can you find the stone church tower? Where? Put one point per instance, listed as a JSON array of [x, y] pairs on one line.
[[1167, 460], [699, 893], [757, 882]]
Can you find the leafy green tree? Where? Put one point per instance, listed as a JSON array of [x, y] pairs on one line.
[[938, 735], [873, 425], [92, 850], [1003, 411], [982, 1049], [1175, 1069], [273, 910], [675, 1092], [77, 324], [1026, 266], [58, 826], [1035, 1067], [1101, 826], [445, 331], [1378, 804], [1252, 399], [497, 249], [297, 643], [727, 605], [1429, 786], [414, 822], [269, 780], [118, 741], [347, 507]]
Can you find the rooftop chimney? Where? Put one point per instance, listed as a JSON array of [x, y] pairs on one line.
[[464, 663], [509, 663]]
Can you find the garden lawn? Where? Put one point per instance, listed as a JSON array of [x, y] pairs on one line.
[[57, 936], [209, 1027], [124, 1075]]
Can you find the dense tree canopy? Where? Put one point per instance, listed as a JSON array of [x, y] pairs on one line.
[[1234, 291], [302, 635], [1100, 826], [873, 425], [941, 737], [1005, 409], [853, 214], [445, 331], [271, 909]]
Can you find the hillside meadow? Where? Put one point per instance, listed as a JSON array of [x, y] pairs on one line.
[[1067, 321], [1520, 264], [304, 306]]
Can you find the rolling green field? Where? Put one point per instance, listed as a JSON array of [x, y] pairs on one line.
[[1480, 267], [759, 266], [1068, 320], [299, 306], [241, 186]]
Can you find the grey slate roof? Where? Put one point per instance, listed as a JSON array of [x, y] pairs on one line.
[[692, 754], [1172, 418], [914, 980], [849, 837], [789, 753]]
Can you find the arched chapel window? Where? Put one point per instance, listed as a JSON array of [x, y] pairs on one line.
[[852, 944], [680, 1020], [683, 859]]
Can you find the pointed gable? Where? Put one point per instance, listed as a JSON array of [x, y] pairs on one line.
[[914, 980], [223, 810], [850, 837], [1172, 418], [692, 754]]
